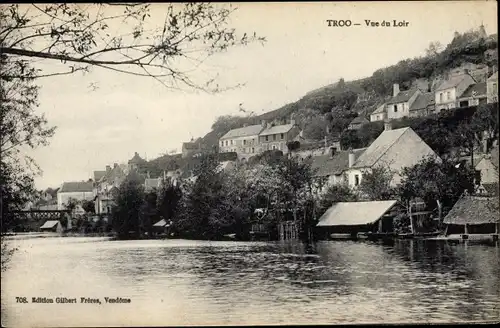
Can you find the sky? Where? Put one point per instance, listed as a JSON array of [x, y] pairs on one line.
[[126, 114]]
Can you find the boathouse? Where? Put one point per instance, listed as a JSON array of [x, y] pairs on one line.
[[473, 217], [161, 226], [351, 218], [51, 226]]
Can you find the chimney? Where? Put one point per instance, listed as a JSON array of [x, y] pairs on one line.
[[115, 165], [387, 126], [395, 89], [333, 151], [263, 123], [108, 168], [352, 158], [137, 154]]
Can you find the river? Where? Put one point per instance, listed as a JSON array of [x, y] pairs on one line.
[[182, 282]]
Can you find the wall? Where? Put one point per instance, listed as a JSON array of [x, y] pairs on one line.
[[351, 176], [377, 117], [241, 145], [63, 197], [492, 91], [279, 143], [448, 102]]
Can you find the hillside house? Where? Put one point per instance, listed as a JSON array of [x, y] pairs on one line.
[[399, 105], [488, 166], [330, 168], [106, 187], [243, 141], [423, 105], [492, 88], [473, 96], [276, 137], [450, 90], [79, 191], [192, 148], [357, 122], [393, 149], [136, 162], [378, 114]]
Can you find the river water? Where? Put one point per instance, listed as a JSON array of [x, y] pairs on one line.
[[181, 282]]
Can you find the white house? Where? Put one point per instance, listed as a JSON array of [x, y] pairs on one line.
[[394, 150], [473, 96], [76, 190], [276, 137], [399, 105], [378, 114], [243, 141], [492, 88], [450, 90]]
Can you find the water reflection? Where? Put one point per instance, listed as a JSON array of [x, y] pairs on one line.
[[178, 282]]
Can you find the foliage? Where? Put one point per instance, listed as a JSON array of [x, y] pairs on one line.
[[376, 184], [335, 194], [433, 180], [88, 206], [82, 37], [168, 201], [315, 129], [126, 212], [6, 253], [349, 139]]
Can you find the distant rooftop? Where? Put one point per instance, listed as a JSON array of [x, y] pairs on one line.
[[77, 187]]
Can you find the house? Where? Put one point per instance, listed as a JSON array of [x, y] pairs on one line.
[[492, 88], [244, 141], [394, 150], [192, 148], [488, 167], [106, 188], [162, 226], [423, 105], [276, 137], [330, 168], [76, 190], [52, 226], [450, 90], [399, 105], [473, 217], [474, 95], [379, 114], [351, 218], [357, 122], [136, 162], [98, 175]]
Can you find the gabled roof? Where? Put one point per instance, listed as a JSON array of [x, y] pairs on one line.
[[50, 224], [161, 223], [327, 165], [355, 213], [136, 159], [277, 129], [247, 131], [422, 101], [402, 96], [77, 187], [452, 82], [116, 174], [475, 90], [380, 109], [359, 120], [474, 210], [379, 147]]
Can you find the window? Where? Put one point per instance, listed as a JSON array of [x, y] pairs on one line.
[[274, 147], [448, 95], [231, 142], [356, 180], [227, 143], [244, 142], [267, 138], [282, 136], [274, 137], [253, 150], [395, 108], [441, 97]]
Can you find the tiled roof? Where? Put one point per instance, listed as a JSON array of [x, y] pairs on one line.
[[136, 159], [77, 187], [478, 89], [380, 109], [115, 175], [251, 130], [379, 147], [355, 213], [277, 129], [474, 210], [451, 82], [402, 96], [359, 120], [327, 165], [422, 101]]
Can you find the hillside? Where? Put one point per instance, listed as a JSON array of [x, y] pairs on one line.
[[332, 107]]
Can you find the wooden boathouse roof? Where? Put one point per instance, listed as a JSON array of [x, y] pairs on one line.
[[474, 210], [355, 213]]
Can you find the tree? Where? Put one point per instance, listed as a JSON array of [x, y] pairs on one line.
[[88, 206], [126, 211], [376, 184], [315, 129], [81, 37], [434, 49], [350, 139], [169, 198], [436, 181]]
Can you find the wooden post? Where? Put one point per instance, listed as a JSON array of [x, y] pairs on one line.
[[466, 232], [380, 225]]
